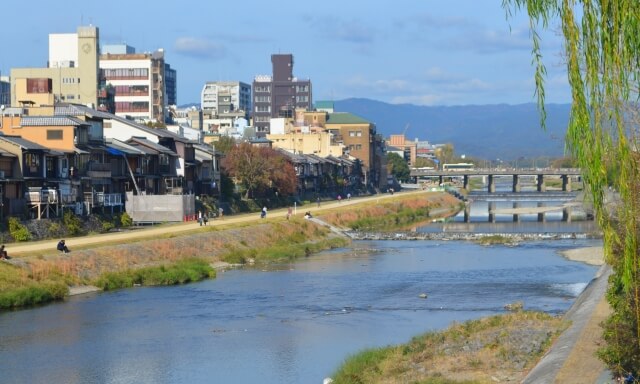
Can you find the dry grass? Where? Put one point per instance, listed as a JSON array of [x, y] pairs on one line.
[[495, 349]]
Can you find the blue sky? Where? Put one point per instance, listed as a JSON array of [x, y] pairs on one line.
[[424, 52]]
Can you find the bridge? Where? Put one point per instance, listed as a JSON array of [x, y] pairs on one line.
[[566, 174]]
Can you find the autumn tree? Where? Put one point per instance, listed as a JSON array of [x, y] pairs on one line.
[[224, 144], [259, 169], [603, 65]]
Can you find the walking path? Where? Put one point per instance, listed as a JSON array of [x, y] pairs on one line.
[[23, 249]]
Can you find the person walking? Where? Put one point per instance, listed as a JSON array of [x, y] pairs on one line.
[[318, 201], [220, 212], [200, 217], [263, 214]]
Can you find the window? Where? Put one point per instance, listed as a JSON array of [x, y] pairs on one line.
[[263, 99], [263, 108], [355, 133], [358, 147], [163, 159], [32, 162], [54, 134]]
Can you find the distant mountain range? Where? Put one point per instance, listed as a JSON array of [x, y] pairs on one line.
[[483, 131]]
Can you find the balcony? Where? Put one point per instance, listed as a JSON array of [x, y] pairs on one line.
[[99, 170], [101, 199]]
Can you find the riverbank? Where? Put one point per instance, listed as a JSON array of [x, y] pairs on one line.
[[36, 270], [524, 348]]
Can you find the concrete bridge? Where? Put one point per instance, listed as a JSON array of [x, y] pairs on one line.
[[566, 174]]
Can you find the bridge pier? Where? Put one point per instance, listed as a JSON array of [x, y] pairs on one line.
[[467, 212], [492, 215], [516, 216], [540, 182], [440, 180], [566, 183], [491, 188], [566, 214], [541, 217], [516, 184], [465, 182]]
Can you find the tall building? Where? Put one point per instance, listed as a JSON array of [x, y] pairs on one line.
[[280, 94], [144, 83], [5, 91], [220, 97], [70, 76]]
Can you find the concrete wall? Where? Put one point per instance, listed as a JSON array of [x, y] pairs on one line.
[[159, 208]]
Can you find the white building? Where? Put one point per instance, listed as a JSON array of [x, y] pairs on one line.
[[219, 97], [139, 82]]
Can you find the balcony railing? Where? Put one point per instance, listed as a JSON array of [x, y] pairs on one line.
[[102, 199], [99, 170]]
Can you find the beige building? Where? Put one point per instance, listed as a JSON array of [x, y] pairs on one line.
[[410, 148], [71, 75], [318, 143]]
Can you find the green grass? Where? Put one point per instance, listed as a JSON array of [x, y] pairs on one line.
[[182, 272], [395, 220], [283, 251], [33, 294]]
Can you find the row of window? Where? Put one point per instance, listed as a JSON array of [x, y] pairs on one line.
[[302, 88], [262, 88], [70, 80], [132, 106], [302, 99], [263, 99], [126, 73], [355, 147], [133, 90], [263, 108]]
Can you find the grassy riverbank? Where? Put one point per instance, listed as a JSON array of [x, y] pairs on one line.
[[44, 275], [499, 348]]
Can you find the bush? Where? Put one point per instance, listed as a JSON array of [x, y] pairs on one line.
[[32, 295], [126, 220], [18, 231], [72, 223]]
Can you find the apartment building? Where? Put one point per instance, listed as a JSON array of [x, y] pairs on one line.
[[219, 97], [5, 91], [279, 94], [144, 83], [71, 74]]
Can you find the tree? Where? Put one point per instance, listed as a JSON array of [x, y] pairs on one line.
[[397, 167], [445, 153], [603, 66], [258, 169], [224, 144], [422, 162]]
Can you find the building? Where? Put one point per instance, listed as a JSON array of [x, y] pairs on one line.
[[280, 94], [144, 83], [5, 91], [409, 148], [219, 97], [71, 74]]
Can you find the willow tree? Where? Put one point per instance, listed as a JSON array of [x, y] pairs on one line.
[[602, 52]]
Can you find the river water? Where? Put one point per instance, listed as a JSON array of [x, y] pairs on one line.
[[294, 323]]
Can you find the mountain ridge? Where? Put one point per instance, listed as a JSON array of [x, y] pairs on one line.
[[491, 131]]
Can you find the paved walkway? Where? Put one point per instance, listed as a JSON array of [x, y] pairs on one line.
[[572, 358], [22, 249]]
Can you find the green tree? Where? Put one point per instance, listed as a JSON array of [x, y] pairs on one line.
[[445, 153], [224, 144], [422, 162], [603, 65], [258, 169], [397, 167]]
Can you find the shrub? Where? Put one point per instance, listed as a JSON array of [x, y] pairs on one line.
[[18, 231], [72, 223], [126, 220]]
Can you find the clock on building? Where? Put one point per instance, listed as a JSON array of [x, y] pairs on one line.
[[86, 47]]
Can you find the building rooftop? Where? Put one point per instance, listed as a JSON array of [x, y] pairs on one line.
[[40, 121], [345, 118]]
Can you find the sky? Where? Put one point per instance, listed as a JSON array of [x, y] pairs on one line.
[[422, 52]]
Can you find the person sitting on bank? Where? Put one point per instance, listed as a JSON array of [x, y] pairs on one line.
[[3, 253], [62, 247]]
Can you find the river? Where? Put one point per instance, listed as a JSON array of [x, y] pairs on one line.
[[293, 323]]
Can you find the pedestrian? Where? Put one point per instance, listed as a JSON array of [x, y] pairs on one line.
[[318, 201], [339, 198], [263, 214], [205, 217], [200, 217], [62, 247], [289, 212], [349, 196], [3, 253], [220, 212]]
